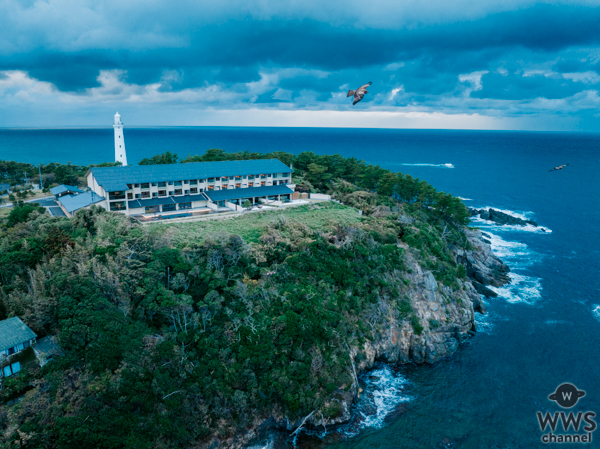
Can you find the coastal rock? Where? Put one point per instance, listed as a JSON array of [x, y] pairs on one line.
[[500, 217], [483, 267]]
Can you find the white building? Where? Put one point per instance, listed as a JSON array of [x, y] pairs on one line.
[[198, 186], [120, 155]]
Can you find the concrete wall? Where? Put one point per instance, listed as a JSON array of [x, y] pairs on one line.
[[213, 206], [235, 207], [319, 196]]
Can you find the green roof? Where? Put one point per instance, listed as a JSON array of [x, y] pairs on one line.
[[14, 331], [115, 179]]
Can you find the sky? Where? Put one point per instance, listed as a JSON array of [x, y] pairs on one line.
[[464, 64]]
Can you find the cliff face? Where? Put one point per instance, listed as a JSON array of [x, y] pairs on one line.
[[446, 317]]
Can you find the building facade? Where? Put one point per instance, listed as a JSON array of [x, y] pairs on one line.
[[147, 189]]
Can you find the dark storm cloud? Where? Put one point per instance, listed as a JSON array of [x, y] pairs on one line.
[[308, 59], [230, 52]]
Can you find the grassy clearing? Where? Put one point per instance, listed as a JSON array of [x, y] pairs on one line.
[[250, 227]]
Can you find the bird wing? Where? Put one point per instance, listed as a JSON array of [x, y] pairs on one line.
[[350, 93], [363, 88]]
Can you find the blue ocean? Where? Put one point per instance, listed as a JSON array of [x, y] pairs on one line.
[[541, 331]]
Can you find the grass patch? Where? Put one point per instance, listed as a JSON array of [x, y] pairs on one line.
[[250, 226]]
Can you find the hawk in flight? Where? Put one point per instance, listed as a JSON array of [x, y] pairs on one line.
[[359, 93]]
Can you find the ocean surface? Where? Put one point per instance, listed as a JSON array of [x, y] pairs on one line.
[[543, 329]]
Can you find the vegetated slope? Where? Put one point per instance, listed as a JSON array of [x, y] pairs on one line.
[[177, 335]]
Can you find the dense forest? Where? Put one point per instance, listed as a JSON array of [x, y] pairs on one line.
[[173, 335]]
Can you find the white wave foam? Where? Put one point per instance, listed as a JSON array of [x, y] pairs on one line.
[[465, 199], [484, 322], [517, 256], [596, 311], [527, 289], [498, 227], [523, 215], [508, 250], [431, 165], [385, 390]]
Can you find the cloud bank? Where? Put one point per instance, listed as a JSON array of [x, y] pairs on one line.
[[462, 64]]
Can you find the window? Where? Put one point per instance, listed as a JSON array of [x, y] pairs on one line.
[[177, 183], [26, 344], [137, 195], [154, 194], [262, 183], [145, 194], [225, 187], [187, 192], [178, 192], [170, 183], [136, 185], [251, 177], [145, 185], [224, 179], [162, 184], [11, 369], [186, 182], [116, 195], [201, 181], [194, 182], [153, 184], [129, 186], [170, 193], [237, 185], [118, 205], [238, 178], [130, 196], [168, 207], [185, 206], [211, 187], [263, 176], [11, 351], [193, 190], [162, 193], [211, 180]]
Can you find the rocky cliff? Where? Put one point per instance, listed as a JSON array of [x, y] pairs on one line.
[[446, 317]]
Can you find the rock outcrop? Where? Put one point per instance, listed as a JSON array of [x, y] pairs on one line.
[[500, 217]]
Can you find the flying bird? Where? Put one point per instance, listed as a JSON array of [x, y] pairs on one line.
[[560, 167], [359, 93]]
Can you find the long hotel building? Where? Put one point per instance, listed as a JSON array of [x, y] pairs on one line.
[[151, 189]]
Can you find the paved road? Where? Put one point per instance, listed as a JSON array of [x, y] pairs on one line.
[[46, 201]]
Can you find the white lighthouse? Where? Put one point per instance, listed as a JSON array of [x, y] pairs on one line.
[[120, 155]]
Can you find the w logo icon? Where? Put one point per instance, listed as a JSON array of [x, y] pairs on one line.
[[566, 395]]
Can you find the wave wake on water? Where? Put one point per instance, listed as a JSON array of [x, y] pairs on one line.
[[430, 165]]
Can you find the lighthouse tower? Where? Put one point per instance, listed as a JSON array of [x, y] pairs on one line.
[[120, 155]]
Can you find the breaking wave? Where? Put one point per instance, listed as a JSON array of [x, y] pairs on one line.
[[596, 311], [521, 215], [431, 165], [518, 256], [384, 392]]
